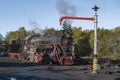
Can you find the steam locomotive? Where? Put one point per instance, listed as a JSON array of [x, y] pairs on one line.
[[56, 47]]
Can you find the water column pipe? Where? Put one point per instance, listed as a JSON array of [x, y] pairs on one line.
[[76, 18], [95, 58]]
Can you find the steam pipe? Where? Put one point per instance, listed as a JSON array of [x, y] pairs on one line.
[[74, 17]]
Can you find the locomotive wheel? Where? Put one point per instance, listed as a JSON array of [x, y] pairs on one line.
[[40, 59], [32, 58], [61, 61], [36, 59], [11, 57], [67, 61]]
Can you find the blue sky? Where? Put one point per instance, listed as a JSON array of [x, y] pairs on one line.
[[18, 13]]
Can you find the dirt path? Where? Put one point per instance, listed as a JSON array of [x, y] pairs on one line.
[[10, 67]]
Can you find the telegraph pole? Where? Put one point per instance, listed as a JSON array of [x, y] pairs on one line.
[[95, 60]]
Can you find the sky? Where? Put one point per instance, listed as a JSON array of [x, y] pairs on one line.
[[44, 13]]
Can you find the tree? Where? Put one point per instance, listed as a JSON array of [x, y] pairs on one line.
[[22, 32], [91, 39], [48, 30], [77, 34], [115, 47], [108, 41], [83, 45], [13, 35], [104, 41], [117, 29], [81, 38], [1, 39]]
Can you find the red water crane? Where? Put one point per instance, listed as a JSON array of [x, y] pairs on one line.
[[95, 8], [76, 18]]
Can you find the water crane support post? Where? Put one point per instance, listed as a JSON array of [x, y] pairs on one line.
[[95, 59]]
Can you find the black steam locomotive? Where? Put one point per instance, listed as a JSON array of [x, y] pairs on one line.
[[55, 47]]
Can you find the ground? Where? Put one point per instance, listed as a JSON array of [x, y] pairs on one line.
[[13, 68]]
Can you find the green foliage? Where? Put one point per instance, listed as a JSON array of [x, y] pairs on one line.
[[91, 39], [48, 30], [77, 34], [108, 41], [104, 41], [117, 29], [13, 35], [114, 56], [22, 32], [83, 45], [1, 39], [81, 38]]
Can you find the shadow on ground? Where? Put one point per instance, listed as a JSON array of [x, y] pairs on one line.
[[117, 79], [16, 64]]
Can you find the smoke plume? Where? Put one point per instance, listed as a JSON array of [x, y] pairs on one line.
[[35, 27], [65, 9]]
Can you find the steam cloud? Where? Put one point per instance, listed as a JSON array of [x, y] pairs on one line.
[[65, 8], [35, 27]]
